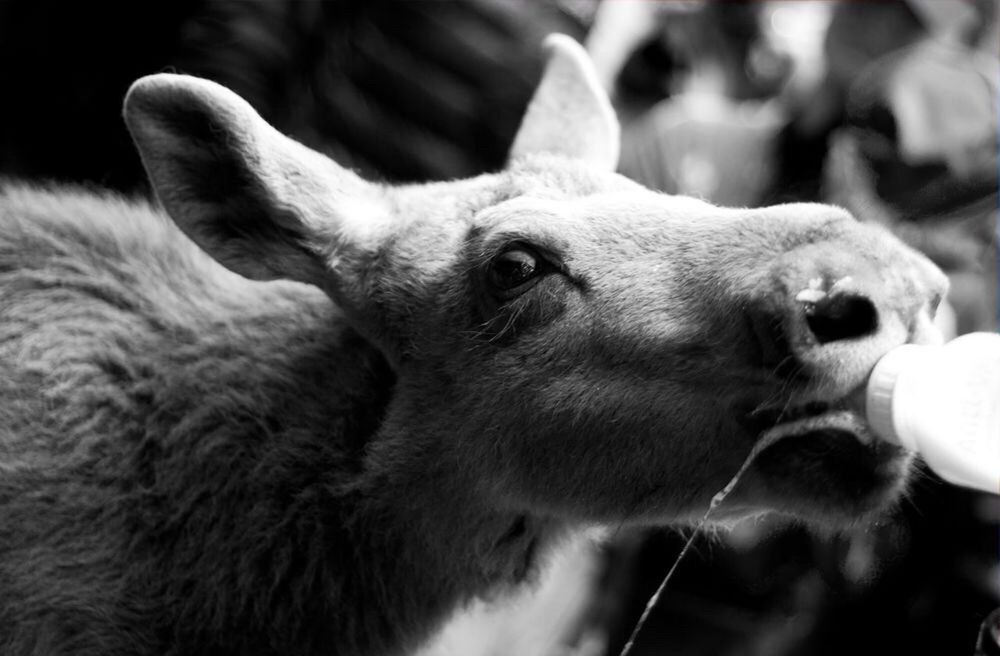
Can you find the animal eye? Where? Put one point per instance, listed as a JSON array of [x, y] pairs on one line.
[[512, 270]]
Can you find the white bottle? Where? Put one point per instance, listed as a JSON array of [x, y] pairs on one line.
[[944, 403]]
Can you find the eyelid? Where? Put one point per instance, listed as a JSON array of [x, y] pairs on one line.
[[546, 255]]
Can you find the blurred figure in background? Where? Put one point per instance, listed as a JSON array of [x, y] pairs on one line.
[[698, 95], [917, 153]]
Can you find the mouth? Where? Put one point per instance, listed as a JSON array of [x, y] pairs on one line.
[[815, 417], [822, 462]]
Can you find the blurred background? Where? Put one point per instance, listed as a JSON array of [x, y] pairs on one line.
[[888, 108]]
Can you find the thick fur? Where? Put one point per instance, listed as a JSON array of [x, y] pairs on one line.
[[175, 442]]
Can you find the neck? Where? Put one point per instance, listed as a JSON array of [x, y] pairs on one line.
[[432, 545], [353, 533]]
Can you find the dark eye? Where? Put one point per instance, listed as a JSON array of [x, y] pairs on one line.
[[513, 270]]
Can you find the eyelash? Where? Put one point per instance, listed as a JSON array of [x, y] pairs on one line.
[[521, 256]]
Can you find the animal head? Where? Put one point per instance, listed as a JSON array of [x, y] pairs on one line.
[[565, 340]]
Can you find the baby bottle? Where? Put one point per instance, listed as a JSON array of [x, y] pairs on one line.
[[944, 403]]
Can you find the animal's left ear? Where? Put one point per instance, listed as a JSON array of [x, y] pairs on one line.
[[570, 113]]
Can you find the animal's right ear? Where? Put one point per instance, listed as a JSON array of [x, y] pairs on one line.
[[260, 203], [570, 113]]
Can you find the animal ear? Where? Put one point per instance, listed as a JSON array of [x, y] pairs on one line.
[[260, 203], [570, 113]]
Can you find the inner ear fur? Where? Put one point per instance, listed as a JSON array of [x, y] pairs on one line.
[[260, 203]]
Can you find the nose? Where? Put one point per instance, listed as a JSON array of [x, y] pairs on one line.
[[829, 312]]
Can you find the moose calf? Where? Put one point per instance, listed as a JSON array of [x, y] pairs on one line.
[[355, 408]]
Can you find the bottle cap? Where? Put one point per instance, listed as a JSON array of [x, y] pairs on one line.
[[878, 397]]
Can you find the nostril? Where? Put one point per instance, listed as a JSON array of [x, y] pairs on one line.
[[841, 316]]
